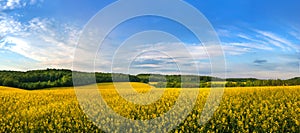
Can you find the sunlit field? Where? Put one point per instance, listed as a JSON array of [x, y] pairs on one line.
[[247, 109]]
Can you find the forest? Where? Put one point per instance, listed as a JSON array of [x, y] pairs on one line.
[[39, 79]]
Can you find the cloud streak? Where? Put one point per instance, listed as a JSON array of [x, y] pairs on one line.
[[276, 40]]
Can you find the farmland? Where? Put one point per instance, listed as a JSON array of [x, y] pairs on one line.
[[247, 109]]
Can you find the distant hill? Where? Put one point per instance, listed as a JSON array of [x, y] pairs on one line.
[[39, 79]]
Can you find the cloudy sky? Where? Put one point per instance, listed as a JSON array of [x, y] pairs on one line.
[[260, 39]]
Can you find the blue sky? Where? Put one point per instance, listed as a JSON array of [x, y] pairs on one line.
[[260, 38]]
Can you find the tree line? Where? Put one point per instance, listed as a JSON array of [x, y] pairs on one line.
[[39, 79], [249, 82], [192, 81]]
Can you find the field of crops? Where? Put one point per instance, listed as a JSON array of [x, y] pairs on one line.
[[255, 109]]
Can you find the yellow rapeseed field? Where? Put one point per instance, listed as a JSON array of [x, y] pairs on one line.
[[248, 109]]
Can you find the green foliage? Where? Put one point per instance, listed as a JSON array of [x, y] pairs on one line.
[[258, 82], [146, 78], [10, 82], [38, 79]]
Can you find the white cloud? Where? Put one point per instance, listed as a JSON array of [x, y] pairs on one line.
[[259, 39], [15, 4], [276, 40], [250, 45], [44, 40], [11, 4], [244, 36], [9, 25]]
